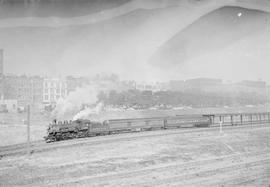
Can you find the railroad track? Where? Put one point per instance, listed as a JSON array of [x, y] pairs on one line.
[[40, 146], [183, 174]]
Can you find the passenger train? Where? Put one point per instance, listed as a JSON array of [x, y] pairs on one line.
[[86, 128]]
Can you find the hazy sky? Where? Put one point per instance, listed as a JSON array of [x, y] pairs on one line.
[[143, 40]]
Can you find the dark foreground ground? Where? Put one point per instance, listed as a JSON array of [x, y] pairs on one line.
[[237, 157]]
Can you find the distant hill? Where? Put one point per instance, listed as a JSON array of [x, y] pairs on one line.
[[213, 32], [220, 44]]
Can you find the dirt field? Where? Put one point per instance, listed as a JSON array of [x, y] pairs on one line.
[[13, 127], [237, 157]]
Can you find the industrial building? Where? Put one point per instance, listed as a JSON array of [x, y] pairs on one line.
[[21, 90]]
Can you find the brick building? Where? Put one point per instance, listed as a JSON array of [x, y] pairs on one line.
[[24, 89]]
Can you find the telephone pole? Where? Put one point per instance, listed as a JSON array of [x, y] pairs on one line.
[[220, 126], [28, 130]]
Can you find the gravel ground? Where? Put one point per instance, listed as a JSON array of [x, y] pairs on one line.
[[237, 157]]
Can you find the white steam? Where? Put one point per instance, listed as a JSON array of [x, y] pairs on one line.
[[68, 107], [90, 113], [83, 102]]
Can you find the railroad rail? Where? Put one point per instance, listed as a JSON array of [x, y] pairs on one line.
[[41, 146], [181, 122]]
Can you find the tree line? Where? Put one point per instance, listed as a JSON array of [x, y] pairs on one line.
[[194, 98]]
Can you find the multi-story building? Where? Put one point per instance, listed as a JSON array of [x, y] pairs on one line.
[[34, 90], [37, 89], [24, 89], [19, 91], [53, 89]]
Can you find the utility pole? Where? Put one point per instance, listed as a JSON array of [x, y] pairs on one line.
[[220, 126], [28, 130]]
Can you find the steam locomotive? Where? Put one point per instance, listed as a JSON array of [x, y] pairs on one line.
[[85, 128]]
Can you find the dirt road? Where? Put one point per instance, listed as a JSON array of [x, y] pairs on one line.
[[238, 157]]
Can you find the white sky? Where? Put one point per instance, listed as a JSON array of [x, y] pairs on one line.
[[122, 40]]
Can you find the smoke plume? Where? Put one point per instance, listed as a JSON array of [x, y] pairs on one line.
[[90, 113], [66, 108]]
